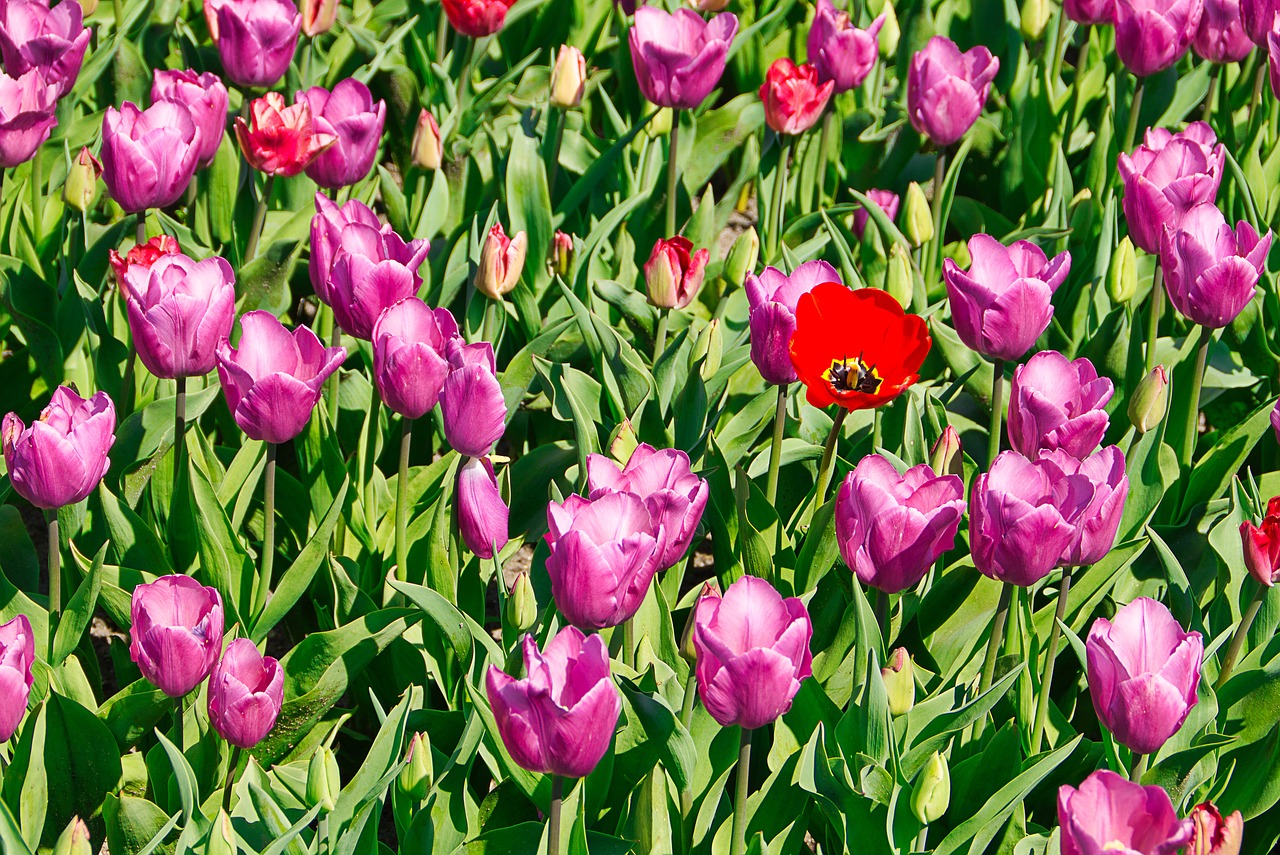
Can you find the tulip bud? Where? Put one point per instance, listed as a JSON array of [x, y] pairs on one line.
[[709, 5], [742, 258], [222, 839], [323, 781], [428, 146], [890, 32], [318, 16], [562, 250], [897, 276], [501, 262], [1150, 400], [709, 344], [900, 682], [660, 125], [1122, 275], [522, 604], [415, 776], [82, 181], [917, 216], [74, 839], [88, 7], [932, 793], [1034, 17], [945, 458], [1215, 834], [568, 78], [710, 588]]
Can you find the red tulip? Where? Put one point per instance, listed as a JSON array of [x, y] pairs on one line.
[[282, 139], [793, 98]]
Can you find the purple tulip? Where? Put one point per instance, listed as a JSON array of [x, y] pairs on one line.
[[1056, 403], [357, 122], [560, 718], [482, 515], [1221, 37], [179, 310], [410, 355], [205, 98], [673, 495], [1023, 517], [892, 527], [148, 156], [1090, 11], [62, 456], [256, 39], [52, 40], [946, 89], [1152, 35], [604, 552], [1275, 421], [246, 691], [1258, 18], [273, 379], [26, 116], [773, 297], [177, 633], [326, 237], [373, 269], [1100, 520], [679, 57], [1109, 813], [475, 413], [1273, 61], [1167, 176], [1209, 270], [887, 201], [1143, 672], [17, 653], [1002, 304], [753, 651], [839, 50]]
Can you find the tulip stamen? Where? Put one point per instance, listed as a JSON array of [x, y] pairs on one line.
[[853, 377]]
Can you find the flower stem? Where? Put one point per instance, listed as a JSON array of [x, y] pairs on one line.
[[179, 427], [268, 528], [775, 450], [1237, 640], [553, 821], [402, 502], [882, 616], [37, 191], [231, 770], [993, 648], [259, 220], [1135, 107], [629, 642], [824, 141], [141, 235], [779, 201], [1193, 409], [1055, 634], [1139, 768], [331, 393], [178, 738], [55, 572], [738, 843], [828, 457], [553, 168], [673, 145], [1059, 37], [660, 335], [933, 261], [1154, 311], [997, 410]]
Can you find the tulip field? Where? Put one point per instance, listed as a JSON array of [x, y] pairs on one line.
[[683, 427]]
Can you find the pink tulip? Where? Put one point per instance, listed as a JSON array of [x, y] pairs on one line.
[[142, 256], [1210, 271], [946, 89], [1109, 813], [678, 57], [1056, 403], [501, 262], [1152, 35], [886, 200], [1090, 11], [373, 269], [205, 98], [773, 297], [673, 274], [246, 691], [51, 40], [179, 309], [60, 459], [475, 413], [1103, 476], [326, 237], [793, 98], [26, 116], [482, 515], [256, 39], [17, 655], [177, 632], [356, 121], [282, 140], [148, 156], [410, 355], [1221, 37], [1167, 176], [840, 51], [1258, 18]]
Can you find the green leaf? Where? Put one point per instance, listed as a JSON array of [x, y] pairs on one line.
[[79, 612], [666, 736]]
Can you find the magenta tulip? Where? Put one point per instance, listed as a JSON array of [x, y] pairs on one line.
[[475, 413], [410, 355], [673, 495], [1090, 11], [946, 89], [679, 57], [560, 718], [17, 654], [886, 200], [177, 633], [373, 269], [51, 40], [1167, 176], [1258, 18], [179, 310], [1143, 671], [604, 552], [1096, 527], [205, 98], [1209, 270], [841, 52], [892, 527], [482, 515], [60, 459], [753, 652], [1152, 35], [273, 379], [148, 156], [1001, 305], [246, 691], [1221, 37], [1110, 813], [26, 116], [326, 237], [356, 121], [1273, 61], [256, 39], [773, 297], [1056, 403]]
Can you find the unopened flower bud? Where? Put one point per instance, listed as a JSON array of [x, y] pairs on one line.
[[1215, 834], [323, 781], [415, 777], [945, 458], [88, 7], [562, 250], [318, 16], [742, 257], [897, 276], [522, 604], [932, 795], [428, 146], [709, 5], [709, 589], [74, 839], [1122, 275], [917, 218], [501, 262], [1150, 400], [82, 181], [1034, 17], [900, 682], [568, 78], [709, 344], [890, 32]]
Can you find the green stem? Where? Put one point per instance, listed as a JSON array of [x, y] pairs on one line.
[[1237, 640], [141, 235], [660, 335], [231, 771], [1135, 108], [37, 191], [690, 698], [779, 201], [331, 393], [922, 839], [1193, 410], [269, 527], [775, 450], [402, 502], [1154, 311], [117, 8], [179, 427], [877, 431], [487, 331], [672, 171], [997, 410], [1055, 634], [629, 642], [994, 644], [738, 844], [259, 220], [828, 457], [824, 141], [882, 616], [1139, 768], [553, 168], [1059, 37], [553, 820], [935, 248], [55, 573], [178, 723]]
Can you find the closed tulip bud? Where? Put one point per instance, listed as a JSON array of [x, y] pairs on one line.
[[17, 655], [501, 262], [890, 33], [742, 257], [222, 838], [1150, 400], [1122, 275], [428, 145], [708, 345], [81, 186], [246, 691], [471, 402], [674, 272], [323, 781], [898, 281], [74, 839], [482, 515], [415, 777], [318, 16], [946, 457], [1033, 17], [917, 217], [562, 250], [932, 794], [1214, 833], [88, 7], [900, 682], [568, 78], [522, 604], [688, 650]]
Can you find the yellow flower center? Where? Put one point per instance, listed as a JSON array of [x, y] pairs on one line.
[[846, 375]]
